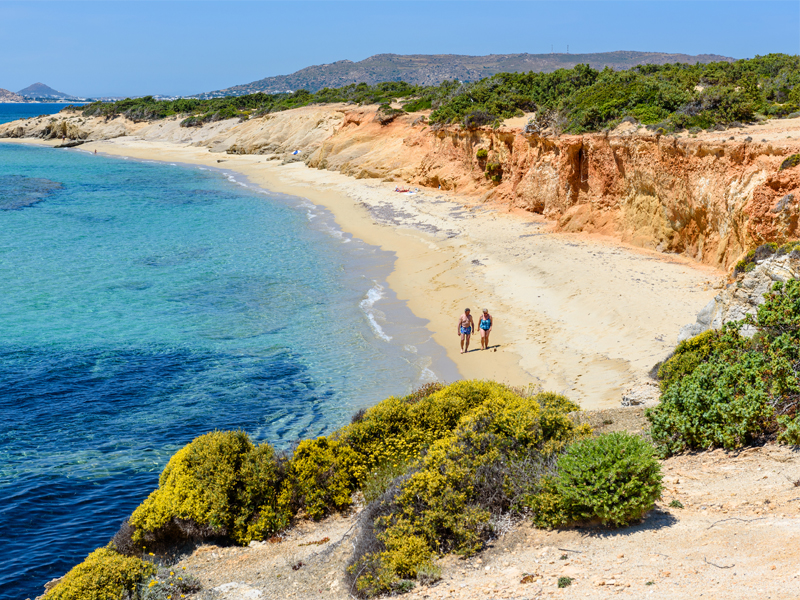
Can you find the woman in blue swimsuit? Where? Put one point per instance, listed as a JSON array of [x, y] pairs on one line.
[[485, 326]]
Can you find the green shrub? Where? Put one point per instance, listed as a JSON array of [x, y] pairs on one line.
[[417, 105], [790, 162], [742, 264], [614, 478], [429, 573], [103, 575], [721, 403], [494, 171], [746, 389], [788, 247], [482, 154], [386, 114], [478, 118], [791, 430], [687, 356], [219, 485]]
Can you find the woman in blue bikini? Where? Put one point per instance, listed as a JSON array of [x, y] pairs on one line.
[[485, 325]]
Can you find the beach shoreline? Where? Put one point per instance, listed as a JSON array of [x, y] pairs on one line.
[[575, 313]]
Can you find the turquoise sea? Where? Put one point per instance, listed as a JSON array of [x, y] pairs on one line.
[[143, 304]]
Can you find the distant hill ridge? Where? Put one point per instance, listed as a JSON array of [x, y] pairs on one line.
[[432, 69]]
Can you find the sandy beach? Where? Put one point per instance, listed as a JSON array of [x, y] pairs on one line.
[[576, 314]]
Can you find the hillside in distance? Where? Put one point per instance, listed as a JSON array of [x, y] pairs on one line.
[[40, 91], [432, 69], [6, 96]]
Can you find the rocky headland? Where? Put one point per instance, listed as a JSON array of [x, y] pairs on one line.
[[745, 293], [6, 96]]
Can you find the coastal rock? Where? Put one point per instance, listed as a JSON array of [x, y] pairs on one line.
[[49, 586], [642, 393], [743, 296]]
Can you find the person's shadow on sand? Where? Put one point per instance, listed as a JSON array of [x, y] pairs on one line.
[[493, 348]]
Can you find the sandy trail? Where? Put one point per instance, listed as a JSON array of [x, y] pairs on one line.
[[578, 315]]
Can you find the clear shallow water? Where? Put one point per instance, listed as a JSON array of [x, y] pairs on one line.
[[143, 304]]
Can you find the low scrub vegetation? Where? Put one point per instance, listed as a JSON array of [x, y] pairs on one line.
[[442, 470], [450, 498], [666, 98], [104, 575], [733, 387], [169, 584], [613, 478], [386, 114], [218, 487]]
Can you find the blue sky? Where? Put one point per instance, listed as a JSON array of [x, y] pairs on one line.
[[134, 48]]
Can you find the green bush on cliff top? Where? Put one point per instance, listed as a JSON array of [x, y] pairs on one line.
[[687, 356], [614, 478], [669, 97], [734, 389]]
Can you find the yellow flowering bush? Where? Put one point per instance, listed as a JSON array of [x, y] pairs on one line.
[[397, 429], [447, 501], [321, 477], [436, 466], [103, 575], [219, 485]]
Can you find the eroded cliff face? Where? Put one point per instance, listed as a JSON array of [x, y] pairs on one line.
[[710, 199]]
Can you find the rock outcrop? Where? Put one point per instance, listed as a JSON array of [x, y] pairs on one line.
[[744, 295], [643, 393]]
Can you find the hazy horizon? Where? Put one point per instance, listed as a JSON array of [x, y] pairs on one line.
[[183, 48]]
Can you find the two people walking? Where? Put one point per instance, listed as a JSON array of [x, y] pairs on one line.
[[466, 326]]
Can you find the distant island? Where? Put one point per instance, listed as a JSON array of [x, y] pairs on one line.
[[42, 92], [37, 92], [432, 69]]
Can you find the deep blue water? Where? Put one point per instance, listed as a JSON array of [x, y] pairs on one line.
[[12, 111], [143, 304]]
